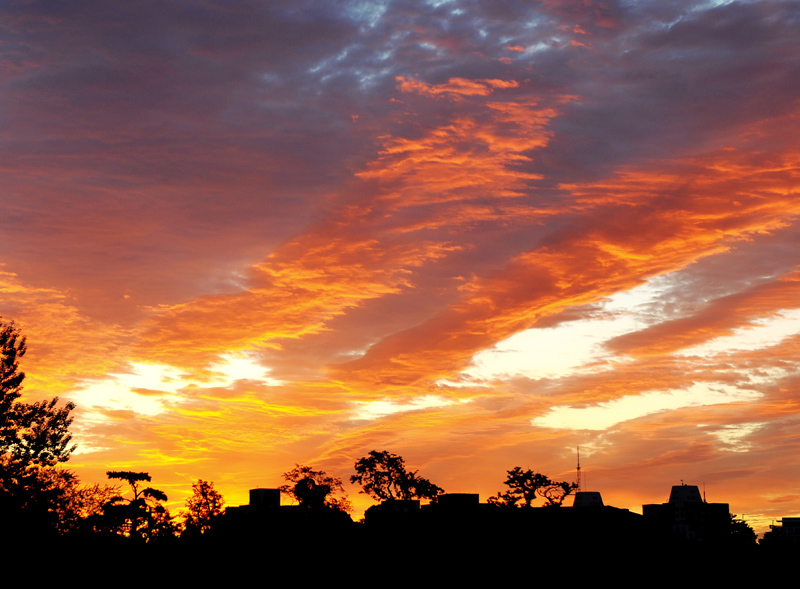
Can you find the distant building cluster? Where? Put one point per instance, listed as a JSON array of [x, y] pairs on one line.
[[685, 517], [787, 532]]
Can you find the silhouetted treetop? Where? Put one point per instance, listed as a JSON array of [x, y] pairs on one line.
[[132, 478], [41, 433], [741, 533], [383, 476], [143, 517], [527, 485], [203, 506], [30, 433], [12, 348], [311, 487], [34, 438]]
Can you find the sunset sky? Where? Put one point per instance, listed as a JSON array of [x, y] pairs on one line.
[[475, 233]]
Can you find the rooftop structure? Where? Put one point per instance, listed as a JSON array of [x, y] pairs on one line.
[[588, 499], [689, 516]]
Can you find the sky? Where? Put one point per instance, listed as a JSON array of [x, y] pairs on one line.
[[478, 234]]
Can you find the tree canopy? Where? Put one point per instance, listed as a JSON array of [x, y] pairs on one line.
[[741, 534], [31, 434], [315, 488], [34, 438], [12, 348], [383, 476], [203, 506], [143, 517], [526, 486]]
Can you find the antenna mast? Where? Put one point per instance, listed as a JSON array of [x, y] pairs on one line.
[[579, 469]]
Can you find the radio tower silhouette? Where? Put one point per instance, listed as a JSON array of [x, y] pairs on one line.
[[579, 470]]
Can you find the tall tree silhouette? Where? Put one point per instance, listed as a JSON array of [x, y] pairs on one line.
[[143, 517], [34, 439], [12, 348], [203, 506]]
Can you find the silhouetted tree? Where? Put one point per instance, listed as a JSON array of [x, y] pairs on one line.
[[39, 500], [62, 504], [741, 533], [12, 348], [527, 485], [557, 491], [143, 517], [310, 494], [203, 506], [31, 435], [315, 488], [37, 434], [383, 476], [34, 438], [84, 506]]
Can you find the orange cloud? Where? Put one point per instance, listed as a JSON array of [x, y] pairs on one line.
[[64, 346], [600, 251], [299, 289], [455, 88], [449, 179]]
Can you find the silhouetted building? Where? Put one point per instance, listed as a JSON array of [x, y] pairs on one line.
[[688, 516], [458, 501], [260, 500], [587, 499], [788, 532], [265, 498]]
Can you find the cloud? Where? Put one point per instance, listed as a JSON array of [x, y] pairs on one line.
[[719, 318], [64, 346], [329, 270], [455, 87], [597, 253]]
